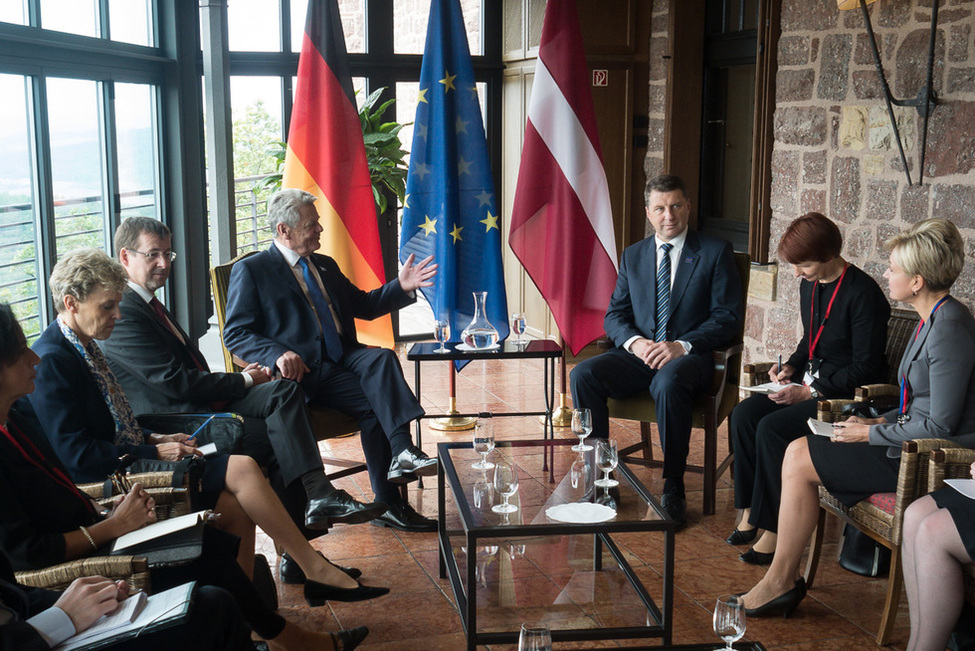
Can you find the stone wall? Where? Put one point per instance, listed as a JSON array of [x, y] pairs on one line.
[[659, 48]]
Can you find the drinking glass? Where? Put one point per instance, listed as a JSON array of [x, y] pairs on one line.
[[483, 443], [506, 483], [535, 638], [482, 493], [581, 427], [729, 619], [578, 470], [441, 332], [607, 459], [518, 326]]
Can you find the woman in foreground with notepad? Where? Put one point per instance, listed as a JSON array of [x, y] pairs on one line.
[[46, 520], [844, 332], [937, 374], [939, 538]]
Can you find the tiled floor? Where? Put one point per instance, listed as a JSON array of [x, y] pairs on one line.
[[841, 612]]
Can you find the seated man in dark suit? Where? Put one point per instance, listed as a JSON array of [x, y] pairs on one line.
[[34, 619], [292, 309], [677, 298], [161, 370]]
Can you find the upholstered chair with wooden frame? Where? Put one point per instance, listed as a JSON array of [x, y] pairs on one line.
[[710, 411], [326, 423], [954, 463], [881, 517]]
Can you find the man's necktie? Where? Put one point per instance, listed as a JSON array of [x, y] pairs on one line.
[[157, 307], [333, 344], [663, 293]]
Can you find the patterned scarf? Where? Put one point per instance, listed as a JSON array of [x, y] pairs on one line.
[[127, 429]]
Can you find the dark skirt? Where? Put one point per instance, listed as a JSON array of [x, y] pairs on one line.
[[211, 483], [853, 471], [962, 510]]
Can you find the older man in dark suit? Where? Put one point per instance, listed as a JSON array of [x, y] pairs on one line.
[[677, 298], [292, 309], [161, 370]]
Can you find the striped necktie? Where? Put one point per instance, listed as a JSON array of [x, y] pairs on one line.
[[663, 293], [333, 344]]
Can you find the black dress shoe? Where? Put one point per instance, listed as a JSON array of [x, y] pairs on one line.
[[739, 537], [291, 573], [409, 463], [675, 506], [404, 517], [316, 594], [350, 638], [784, 603], [339, 507], [264, 581], [753, 557]]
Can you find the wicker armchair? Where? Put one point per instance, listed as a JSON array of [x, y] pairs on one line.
[[954, 463], [133, 569], [881, 516], [900, 328]]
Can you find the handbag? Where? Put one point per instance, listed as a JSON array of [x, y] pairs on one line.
[[175, 548], [862, 555]]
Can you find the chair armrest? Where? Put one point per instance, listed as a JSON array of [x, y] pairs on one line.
[[134, 569], [755, 373], [831, 410], [912, 479], [868, 391], [949, 463], [722, 357]]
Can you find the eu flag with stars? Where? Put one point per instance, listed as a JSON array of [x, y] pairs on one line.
[[451, 210]]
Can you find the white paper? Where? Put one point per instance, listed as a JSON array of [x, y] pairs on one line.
[[209, 448], [964, 486], [819, 428], [768, 387], [153, 531], [127, 612], [580, 513]]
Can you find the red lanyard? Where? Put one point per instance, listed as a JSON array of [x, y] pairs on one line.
[[55, 473], [829, 306], [905, 385]]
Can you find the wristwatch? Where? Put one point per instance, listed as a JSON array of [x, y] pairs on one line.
[[812, 392]]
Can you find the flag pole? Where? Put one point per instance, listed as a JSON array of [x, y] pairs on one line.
[[452, 422], [561, 415]]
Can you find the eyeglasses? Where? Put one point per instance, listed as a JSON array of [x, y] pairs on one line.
[[155, 256]]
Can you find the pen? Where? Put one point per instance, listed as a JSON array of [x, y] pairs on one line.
[[780, 365], [200, 428]]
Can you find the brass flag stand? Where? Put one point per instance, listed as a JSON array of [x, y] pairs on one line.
[[452, 422]]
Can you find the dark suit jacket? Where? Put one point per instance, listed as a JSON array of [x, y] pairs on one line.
[[268, 314], [156, 370], [940, 368], [705, 300], [73, 413], [17, 634]]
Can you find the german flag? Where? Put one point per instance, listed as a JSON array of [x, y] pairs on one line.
[[326, 157]]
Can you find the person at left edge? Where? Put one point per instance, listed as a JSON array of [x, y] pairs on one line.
[[293, 310], [161, 370]]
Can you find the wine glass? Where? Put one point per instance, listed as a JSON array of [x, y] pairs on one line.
[[483, 443], [581, 427], [535, 638], [729, 619], [518, 326], [441, 332], [578, 470], [482, 493], [506, 483], [607, 459]]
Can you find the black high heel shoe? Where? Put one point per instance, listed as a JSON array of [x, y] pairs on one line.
[[753, 557], [316, 594], [349, 639], [739, 537], [784, 603]]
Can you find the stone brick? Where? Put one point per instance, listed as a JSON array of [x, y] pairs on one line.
[[881, 200], [961, 80], [655, 135], [959, 36], [954, 202], [914, 203], [794, 85], [863, 53], [813, 201], [912, 63], [659, 48], [660, 23], [793, 51], [782, 325], [951, 140], [834, 73], [891, 13], [885, 231], [947, 16], [754, 320], [802, 15], [814, 167], [858, 243], [814, 50], [844, 199], [888, 48], [800, 125], [866, 85], [785, 181], [653, 165]]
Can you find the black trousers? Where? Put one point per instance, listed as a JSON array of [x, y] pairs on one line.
[[761, 431], [674, 388], [368, 384]]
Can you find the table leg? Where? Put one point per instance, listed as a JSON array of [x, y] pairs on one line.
[[597, 553], [471, 591]]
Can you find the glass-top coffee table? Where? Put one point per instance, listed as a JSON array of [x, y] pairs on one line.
[[509, 569]]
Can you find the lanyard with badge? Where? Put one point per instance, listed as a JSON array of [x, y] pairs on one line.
[[902, 415], [812, 367]]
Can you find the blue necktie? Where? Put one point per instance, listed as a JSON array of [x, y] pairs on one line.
[[333, 345], [663, 293]]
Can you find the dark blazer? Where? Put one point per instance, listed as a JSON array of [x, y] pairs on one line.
[[705, 300], [159, 372], [940, 368], [73, 413], [17, 634], [268, 314]]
